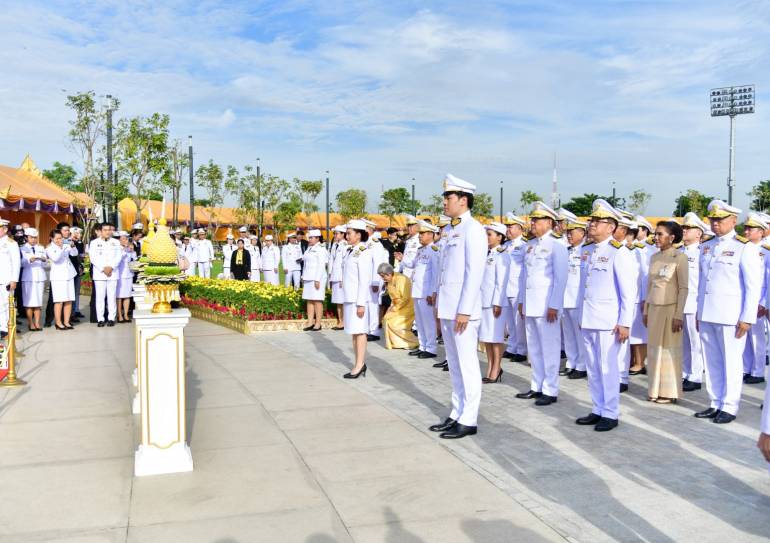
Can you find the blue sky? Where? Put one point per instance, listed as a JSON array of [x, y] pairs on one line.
[[379, 93]]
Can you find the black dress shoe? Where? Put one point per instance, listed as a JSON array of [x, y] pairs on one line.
[[565, 371], [709, 413], [79, 315], [723, 418], [459, 431], [588, 420], [110, 323], [605, 424], [440, 340], [443, 364], [528, 395], [546, 400], [426, 354], [508, 354], [563, 355], [577, 374], [448, 424], [623, 387], [101, 324], [642, 371], [372, 337], [689, 386], [414, 352], [446, 367], [753, 380], [75, 320], [519, 358]]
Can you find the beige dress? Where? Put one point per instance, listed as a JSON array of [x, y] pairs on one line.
[[666, 295]]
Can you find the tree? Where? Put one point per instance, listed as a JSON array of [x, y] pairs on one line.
[[85, 132], [528, 198], [308, 191], [396, 202], [63, 175], [211, 178], [436, 205], [285, 215], [581, 205], [760, 196], [638, 200], [141, 156], [692, 200], [177, 163], [351, 203], [483, 205], [244, 188]]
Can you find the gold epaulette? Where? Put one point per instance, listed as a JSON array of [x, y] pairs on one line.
[[434, 247], [362, 247], [766, 247], [678, 245], [639, 244], [555, 235], [631, 247], [588, 243], [650, 240], [615, 243], [500, 249], [742, 239]]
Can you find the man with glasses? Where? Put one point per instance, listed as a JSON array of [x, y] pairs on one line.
[[728, 296]]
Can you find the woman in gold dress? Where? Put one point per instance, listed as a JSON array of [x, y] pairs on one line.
[[397, 322], [663, 314]]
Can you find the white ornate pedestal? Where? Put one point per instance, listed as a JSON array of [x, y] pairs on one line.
[[160, 344], [141, 302]]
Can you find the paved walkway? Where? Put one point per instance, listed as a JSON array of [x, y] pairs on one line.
[[284, 450]]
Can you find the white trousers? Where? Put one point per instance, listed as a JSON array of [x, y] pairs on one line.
[[756, 350], [600, 348], [108, 289], [191, 270], [270, 277], [374, 312], [637, 335], [724, 365], [624, 361], [4, 309], [463, 359], [692, 351], [573, 340], [293, 279], [226, 274], [204, 269], [254, 277], [517, 337], [426, 325], [544, 344]]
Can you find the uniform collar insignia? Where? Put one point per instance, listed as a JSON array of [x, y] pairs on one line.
[[456, 221], [616, 244]]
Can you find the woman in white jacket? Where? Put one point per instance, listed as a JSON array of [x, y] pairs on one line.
[[494, 302], [125, 277], [33, 277], [314, 279], [62, 279], [356, 285]]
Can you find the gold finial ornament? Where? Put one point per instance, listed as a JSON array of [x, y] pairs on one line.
[[11, 380]]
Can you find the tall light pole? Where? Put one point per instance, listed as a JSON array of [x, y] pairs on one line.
[[414, 202], [732, 101], [613, 193], [110, 202], [192, 183], [328, 239], [501, 201], [259, 202]]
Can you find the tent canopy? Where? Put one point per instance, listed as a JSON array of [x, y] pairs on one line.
[[27, 189]]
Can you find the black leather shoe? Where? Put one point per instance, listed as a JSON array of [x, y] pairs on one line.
[[605, 424], [689, 386], [519, 358], [752, 380], [372, 337], [577, 374], [546, 400], [101, 324], [588, 420], [528, 395], [443, 364], [723, 418], [74, 320], [623, 388], [448, 424], [426, 354], [642, 371], [110, 323], [79, 315], [709, 413], [414, 352], [509, 355], [563, 355], [446, 367], [565, 371], [307, 328], [459, 431]]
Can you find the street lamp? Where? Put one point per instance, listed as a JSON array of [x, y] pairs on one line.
[[192, 183], [328, 239], [501, 201], [732, 101], [110, 105]]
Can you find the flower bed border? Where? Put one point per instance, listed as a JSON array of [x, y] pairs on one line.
[[251, 327]]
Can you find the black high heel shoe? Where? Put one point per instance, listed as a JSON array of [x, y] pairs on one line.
[[497, 379], [60, 327], [356, 375], [307, 328]]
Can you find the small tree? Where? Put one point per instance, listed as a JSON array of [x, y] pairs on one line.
[[692, 200], [211, 178], [483, 205], [760, 196], [244, 188], [351, 203], [581, 205], [177, 163], [397, 202], [528, 197], [63, 175], [285, 215], [435, 205], [308, 191], [638, 200]]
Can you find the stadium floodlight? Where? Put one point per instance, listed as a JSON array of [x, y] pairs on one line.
[[732, 101]]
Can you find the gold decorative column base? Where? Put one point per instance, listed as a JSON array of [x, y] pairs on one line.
[[163, 295]]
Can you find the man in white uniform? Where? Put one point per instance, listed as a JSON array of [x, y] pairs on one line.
[[271, 259], [291, 256], [424, 270], [728, 297], [256, 258], [105, 253], [515, 248], [411, 246], [459, 306], [756, 344], [541, 299], [227, 252], [692, 349], [624, 236], [607, 297], [243, 233], [764, 429], [10, 267], [570, 322], [188, 251], [204, 252]]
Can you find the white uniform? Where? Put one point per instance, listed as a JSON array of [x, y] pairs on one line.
[[104, 254], [425, 270], [542, 284], [188, 251], [10, 267], [379, 255], [291, 254], [271, 260], [493, 293], [607, 298], [756, 344], [692, 348], [227, 253], [643, 251], [356, 285], [517, 337], [570, 324], [315, 259], [411, 247], [729, 290], [633, 269], [256, 262], [125, 275], [338, 253], [204, 252], [63, 274], [462, 270], [33, 274]]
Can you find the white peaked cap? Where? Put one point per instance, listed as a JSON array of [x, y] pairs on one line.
[[511, 218], [268, 238], [230, 236], [641, 221], [424, 226], [718, 209], [756, 221], [411, 219], [315, 233], [368, 223], [498, 227], [291, 235], [455, 184], [357, 224], [566, 215], [692, 220], [342, 228], [243, 229], [541, 209], [123, 234], [138, 226], [602, 209], [31, 232]]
